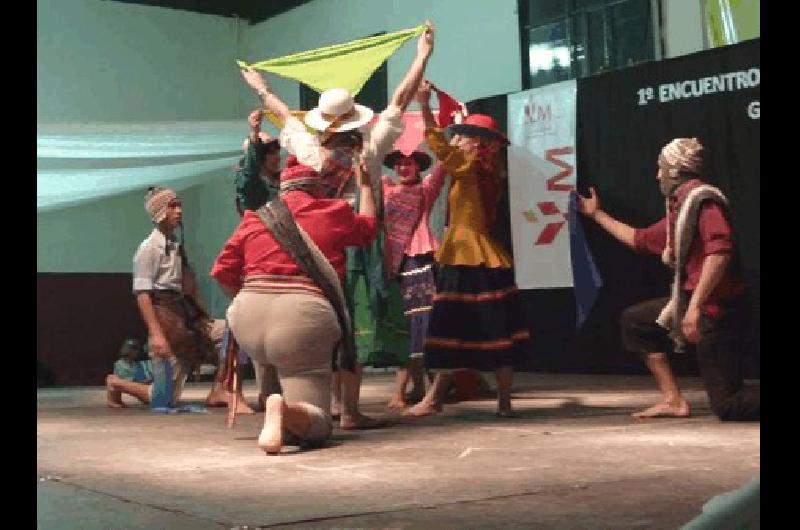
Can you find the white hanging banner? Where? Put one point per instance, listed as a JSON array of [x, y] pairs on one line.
[[541, 167]]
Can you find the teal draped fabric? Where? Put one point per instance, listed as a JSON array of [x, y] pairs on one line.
[[84, 162]]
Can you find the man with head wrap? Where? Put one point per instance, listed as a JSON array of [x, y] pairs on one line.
[[178, 327], [708, 307]]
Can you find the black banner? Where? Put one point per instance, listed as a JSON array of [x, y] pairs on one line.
[[624, 119]]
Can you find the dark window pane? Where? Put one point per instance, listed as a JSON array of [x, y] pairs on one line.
[[589, 4], [580, 46], [544, 11], [569, 38], [598, 39], [632, 31], [549, 54]]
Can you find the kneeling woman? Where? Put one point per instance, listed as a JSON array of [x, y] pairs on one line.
[[279, 315]]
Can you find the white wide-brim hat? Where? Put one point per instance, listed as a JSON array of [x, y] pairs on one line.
[[337, 112]]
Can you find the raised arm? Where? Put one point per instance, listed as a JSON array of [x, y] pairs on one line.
[[590, 207], [407, 88], [455, 161], [271, 101], [367, 203], [248, 176]]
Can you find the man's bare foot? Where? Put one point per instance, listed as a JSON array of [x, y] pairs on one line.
[[423, 408], [359, 422], [396, 404], [271, 438], [113, 396], [115, 402], [242, 407], [217, 397], [665, 409]]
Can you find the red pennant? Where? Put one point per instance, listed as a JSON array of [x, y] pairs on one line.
[[448, 106]]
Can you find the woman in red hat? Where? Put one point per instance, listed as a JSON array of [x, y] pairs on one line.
[[279, 315], [476, 321], [409, 253]]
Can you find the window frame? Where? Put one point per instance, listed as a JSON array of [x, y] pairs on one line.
[[572, 15]]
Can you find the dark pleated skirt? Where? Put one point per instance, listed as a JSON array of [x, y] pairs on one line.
[[476, 320]]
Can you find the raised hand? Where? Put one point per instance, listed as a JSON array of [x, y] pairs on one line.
[[425, 41], [254, 119], [254, 80], [588, 206]]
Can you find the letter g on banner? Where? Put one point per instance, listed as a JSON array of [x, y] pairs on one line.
[[754, 110]]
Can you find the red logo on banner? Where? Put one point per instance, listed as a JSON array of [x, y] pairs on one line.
[[550, 208], [534, 112], [566, 169], [550, 230]]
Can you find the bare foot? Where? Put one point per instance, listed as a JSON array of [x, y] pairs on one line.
[[242, 407], [113, 396], [665, 409], [271, 438], [115, 403], [396, 404], [359, 422], [504, 409], [217, 397], [422, 409]]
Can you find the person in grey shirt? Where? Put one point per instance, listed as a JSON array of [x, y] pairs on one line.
[[178, 327]]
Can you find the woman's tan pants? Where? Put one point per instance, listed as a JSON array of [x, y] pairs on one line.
[[295, 333]]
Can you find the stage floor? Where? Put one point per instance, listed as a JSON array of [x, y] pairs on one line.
[[575, 459]]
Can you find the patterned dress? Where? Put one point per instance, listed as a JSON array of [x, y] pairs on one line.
[[410, 245]]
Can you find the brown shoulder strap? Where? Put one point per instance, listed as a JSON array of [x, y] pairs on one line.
[[279, 221]]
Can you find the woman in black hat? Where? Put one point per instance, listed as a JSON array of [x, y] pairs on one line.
[[409, 253]]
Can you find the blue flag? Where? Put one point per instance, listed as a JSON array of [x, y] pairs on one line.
[[586, 277]]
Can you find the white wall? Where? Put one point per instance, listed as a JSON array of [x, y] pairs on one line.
[[682, 27], [476, 53], [111, 61]]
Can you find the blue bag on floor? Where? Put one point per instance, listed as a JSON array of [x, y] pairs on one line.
[[161, 396], [163, 388]]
